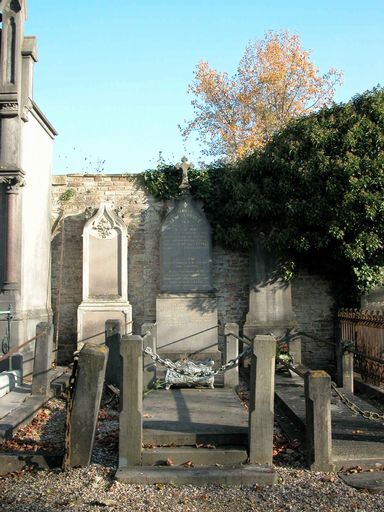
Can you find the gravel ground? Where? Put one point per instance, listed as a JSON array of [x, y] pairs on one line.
[[93, 488]]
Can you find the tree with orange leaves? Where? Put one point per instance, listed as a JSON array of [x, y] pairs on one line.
[[275, 82]]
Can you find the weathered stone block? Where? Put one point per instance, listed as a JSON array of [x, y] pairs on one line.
[[86, 403]]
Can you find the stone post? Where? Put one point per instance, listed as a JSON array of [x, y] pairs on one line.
[[148, 331], [261, 398], [295, 350], [112, 341], [41, 381], [86, 404], [131, 428], [347, 364], [317, 385], [339, 361], [231, 377]]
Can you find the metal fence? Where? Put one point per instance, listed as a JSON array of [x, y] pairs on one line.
[[365, 329]]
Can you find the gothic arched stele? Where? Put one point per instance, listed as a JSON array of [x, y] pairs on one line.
[[186, 308], [105, 275]]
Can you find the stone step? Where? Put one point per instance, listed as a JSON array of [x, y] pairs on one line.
[[226, 475], [237, 437], [194, 456]]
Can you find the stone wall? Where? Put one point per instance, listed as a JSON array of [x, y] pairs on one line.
[[143, 215]]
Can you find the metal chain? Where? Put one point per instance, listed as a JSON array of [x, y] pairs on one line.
[[369, 415], [205, 372]]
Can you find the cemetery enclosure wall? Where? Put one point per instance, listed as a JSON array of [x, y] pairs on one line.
[[143, 215]]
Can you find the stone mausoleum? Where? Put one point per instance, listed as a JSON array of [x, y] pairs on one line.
[[26, 142]]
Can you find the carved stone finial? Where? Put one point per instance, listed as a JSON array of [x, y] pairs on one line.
[[185, 166]]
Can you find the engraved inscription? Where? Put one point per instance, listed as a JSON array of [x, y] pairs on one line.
[[185, 250]]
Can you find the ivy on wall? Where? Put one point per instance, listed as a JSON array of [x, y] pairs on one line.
[[314, 195]]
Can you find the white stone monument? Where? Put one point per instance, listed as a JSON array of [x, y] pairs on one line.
[[105, 275]]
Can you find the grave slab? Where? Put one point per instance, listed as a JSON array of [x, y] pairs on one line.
[[194, 416], [373, 481], [355, 439]]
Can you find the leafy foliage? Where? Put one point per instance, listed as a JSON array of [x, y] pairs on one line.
[[314, 194], [275, 82]]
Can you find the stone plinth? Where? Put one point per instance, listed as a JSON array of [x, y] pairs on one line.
[[105, 279], [270, 298], [187, 325]]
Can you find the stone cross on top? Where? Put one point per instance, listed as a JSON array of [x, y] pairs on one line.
[[185, 166]]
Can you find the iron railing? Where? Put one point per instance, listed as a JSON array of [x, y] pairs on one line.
[[364, 330]]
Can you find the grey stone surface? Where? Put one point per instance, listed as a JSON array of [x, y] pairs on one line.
[[185, 249], [261, 400], [355, 440], [317, 388], [196, 456], [86, 403], [105, 279], [231, 377], [195, 416], [18, 407], [187, 324], [270, 298], [41, 380], [238, 475], [12, 463], [131, 428], [373, 481], [113, 374], [347, 361]]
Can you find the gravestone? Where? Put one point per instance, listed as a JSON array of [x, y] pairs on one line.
[[186, 309], [270, 298], [105, 276]]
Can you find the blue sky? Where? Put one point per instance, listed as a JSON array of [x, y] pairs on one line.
[[112, 76]]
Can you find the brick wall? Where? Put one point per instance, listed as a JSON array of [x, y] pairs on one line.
[[143, 216], [314, 311]]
